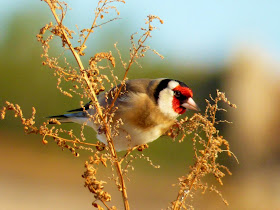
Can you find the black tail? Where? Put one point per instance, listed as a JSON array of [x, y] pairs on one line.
[[61, 118], [82, 108], [58, 116]]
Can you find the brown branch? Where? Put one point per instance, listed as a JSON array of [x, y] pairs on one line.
[[96, 104], [183, 196], [127, 69], [72, 141], [77, 57], [94, 23], [206, 163], [106, 22]]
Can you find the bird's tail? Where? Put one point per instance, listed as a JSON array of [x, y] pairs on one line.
[[77, 117], [61, 118]]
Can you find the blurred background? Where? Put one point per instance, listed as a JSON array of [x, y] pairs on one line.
[[232, 46]]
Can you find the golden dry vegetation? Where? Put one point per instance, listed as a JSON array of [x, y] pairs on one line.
[[87, 81]]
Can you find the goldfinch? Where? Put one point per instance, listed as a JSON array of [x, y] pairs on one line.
[[147, 108]]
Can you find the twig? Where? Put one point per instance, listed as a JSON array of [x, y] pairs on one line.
[[96, 104], [141, 44], [72, 141], [94, 23]]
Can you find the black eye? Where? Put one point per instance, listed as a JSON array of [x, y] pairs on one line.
[[177, 94]]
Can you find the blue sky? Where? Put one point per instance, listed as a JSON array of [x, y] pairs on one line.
[[199, 31]]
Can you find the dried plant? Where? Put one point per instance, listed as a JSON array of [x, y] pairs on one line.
[[211, 144], [88, 82]]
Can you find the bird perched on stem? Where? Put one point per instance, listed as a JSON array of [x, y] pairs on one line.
[[147, 109]]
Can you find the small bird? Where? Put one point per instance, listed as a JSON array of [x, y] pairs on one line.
[[147, 108]]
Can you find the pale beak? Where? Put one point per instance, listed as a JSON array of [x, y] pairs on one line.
[[190, 104]]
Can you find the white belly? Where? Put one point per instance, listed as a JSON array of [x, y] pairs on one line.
[[135, 137], [128, 136]]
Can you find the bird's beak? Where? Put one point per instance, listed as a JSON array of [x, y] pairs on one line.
[[190, 104]]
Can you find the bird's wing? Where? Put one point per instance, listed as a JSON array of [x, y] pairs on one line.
[[137, 106], [81, 108], [132, 89]]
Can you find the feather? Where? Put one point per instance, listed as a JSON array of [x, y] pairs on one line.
[[143, 119]]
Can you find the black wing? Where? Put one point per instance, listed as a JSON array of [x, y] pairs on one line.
[[81, 109]]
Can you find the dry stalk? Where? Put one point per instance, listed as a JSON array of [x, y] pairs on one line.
[[93, 97], [138, 50], [205, 160], [89, 82]]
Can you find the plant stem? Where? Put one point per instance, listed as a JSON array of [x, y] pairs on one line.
[[97, 106], [126, 71], [94, 23]]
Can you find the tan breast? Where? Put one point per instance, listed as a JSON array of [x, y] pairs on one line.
[[143, 113]]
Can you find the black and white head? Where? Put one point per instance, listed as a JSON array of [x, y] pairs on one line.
[[174, 97]]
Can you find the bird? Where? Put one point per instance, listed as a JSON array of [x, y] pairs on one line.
[[147, 108]]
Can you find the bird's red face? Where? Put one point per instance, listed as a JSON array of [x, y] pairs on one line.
[[174, 98], [182, 100]]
